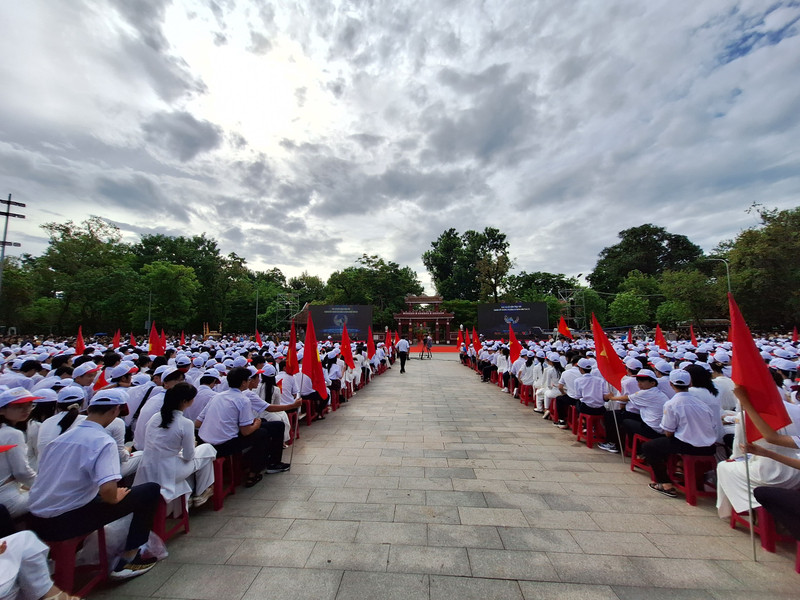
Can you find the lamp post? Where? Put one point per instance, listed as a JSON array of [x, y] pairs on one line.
[[727, 269]]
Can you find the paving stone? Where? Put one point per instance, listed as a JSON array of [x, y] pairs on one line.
[[383, 586], [466, 536], [541, 590], [550, 540], [511, 564], [295, 584], [506, 517], [322, 531], [473, 588], [349, 557], [351, 511], [412, 534], [426, 514], [272, 553], [208, 582], [428, 559]]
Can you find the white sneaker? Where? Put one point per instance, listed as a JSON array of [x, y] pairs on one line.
[[505, 390], [201, 499], [609, 447]]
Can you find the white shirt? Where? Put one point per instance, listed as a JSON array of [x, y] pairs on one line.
[[590, 390], [712, 402], [135, 396], [204, 395], [151, 407], [50, 430], [14, 462], [288, 387], [402, 345], [164, 448], [650, 405], [223, 416], [665, 386], [72, 468], [568, 378], [690, 420]]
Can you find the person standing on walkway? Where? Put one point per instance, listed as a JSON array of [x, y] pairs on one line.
[[402, 352]]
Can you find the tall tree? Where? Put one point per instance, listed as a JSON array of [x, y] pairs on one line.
[[539, 281], [647, 248], [765, 270], [472, 266]]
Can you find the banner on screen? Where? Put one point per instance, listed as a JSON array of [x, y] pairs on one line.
[[526, 319], [329, 320]]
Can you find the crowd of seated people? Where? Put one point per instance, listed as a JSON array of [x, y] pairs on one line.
[[88, 438], [679, 399]]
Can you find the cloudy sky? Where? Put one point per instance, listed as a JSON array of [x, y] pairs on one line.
[[302, 134]]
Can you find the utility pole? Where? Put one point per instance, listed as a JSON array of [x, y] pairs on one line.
[[7, 214]]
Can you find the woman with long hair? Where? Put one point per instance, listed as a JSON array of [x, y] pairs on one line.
[[170, 457]]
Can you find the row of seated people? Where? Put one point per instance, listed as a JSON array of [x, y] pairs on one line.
[[695, 410], [177, 430]]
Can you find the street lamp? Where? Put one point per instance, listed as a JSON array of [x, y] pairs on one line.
[[727, 269]]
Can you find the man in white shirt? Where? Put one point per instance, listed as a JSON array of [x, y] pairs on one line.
[[76, 490], [402, 351]]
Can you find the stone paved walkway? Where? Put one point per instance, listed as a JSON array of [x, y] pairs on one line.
[[434, 485]]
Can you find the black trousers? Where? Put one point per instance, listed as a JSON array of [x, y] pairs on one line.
[[622, 416], [318, 402], [590, 410], [562, 406], [784, 506], [631, 427], [657, 452], [255, 448], [487, 371], [403, 358], [142, 501], [506, 378]]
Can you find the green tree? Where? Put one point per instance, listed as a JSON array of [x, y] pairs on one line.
[[646, 248], [309, 288], [174, 291], [672, 312], [465, 312], [18, 290], [701, 295], [628, 308], [376, 281], [89, 268], [643, 285], [539, 281], [765, 270], [472, 266]]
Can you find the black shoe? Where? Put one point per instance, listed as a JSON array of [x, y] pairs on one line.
[[278, 468], [132, 568]]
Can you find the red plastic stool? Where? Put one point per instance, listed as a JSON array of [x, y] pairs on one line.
[[160, 520], [590, 422], [526, 394], [636, 449], [694, 467], [572, 417], [764, 528], [554, 410], [493, 377], [293, 427], [63, 554], [221, 489]]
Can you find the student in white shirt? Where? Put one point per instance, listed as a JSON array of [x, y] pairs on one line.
[[16, 405], [649, 402], [76, 490], [170, 458], [150, 406], [688, 425], [206, 390]]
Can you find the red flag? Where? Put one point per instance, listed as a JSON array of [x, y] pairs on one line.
[[115, 340], [476, 341], [691, 333], [514, 346], [460, 339], [563, 329], [751, 372], [609, 363], [258, 339], [183, 338], [794, 335], [347, 351], [730, 337], [101, 381], [630, 336], [312, 367], [396, 338], [661, 342], [291, 359], [370, 343], [388, 338], [153, 343], [133, 341], [79, 345]]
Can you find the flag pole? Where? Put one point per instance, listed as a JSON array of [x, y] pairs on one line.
[[749, 488], [619, 439]]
